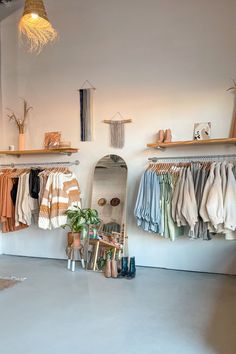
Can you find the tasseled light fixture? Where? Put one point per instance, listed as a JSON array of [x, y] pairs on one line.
[[35, 26]]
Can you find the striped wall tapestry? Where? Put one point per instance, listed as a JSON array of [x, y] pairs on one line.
[[86, 114]]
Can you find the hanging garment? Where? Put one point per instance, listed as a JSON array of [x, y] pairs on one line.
[[14, 190], [147, 208], [200, 175], [86, 114], [207, 188], [230, 200], [180, 219], [34, 183], [7, 209], [189, 204], [170, 229], [215, 200], [61, 193], [175, 196]]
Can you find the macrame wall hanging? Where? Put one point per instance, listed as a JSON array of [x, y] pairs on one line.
[[86, 112], [117, 131]]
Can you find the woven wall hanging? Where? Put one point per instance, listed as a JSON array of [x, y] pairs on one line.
[[117, 131], [86, 112]]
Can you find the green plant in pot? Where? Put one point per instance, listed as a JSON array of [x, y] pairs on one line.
[[80, 223]]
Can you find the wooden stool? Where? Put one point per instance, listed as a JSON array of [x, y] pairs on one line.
[[74, 250]]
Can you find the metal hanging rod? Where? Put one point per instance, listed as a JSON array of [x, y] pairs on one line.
[[38, 164], [196, 158]]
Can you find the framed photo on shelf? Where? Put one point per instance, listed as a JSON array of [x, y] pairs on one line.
[[52, 140], [202, 131]]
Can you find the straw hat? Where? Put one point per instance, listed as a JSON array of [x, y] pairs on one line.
[[102, 202], [115, 202]]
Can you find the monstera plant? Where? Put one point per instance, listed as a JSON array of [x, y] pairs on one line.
[[80, 223]]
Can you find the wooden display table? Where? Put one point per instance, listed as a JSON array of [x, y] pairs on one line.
[[101, 243]]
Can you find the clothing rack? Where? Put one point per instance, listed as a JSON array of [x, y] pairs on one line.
[[36, 164], [192, 158]]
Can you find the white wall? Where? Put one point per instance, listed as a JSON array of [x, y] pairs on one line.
[[165, 63]]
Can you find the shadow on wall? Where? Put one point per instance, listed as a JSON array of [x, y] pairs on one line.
[[221, 333]]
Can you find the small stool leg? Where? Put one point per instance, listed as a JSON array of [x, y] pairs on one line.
[[96, 255], [68, 263], [82, 259], [73, 266]]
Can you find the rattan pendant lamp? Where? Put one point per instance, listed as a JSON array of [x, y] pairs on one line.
[[35, 26]]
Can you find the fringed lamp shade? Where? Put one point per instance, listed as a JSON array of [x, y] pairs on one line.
[[35, 26]]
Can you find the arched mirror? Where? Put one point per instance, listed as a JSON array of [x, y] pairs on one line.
[[109, 197]]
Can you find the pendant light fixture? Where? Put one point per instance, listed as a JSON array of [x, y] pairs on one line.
[[35, 26]]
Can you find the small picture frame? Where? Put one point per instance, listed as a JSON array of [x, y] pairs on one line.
[[52, 140], [202, 131]]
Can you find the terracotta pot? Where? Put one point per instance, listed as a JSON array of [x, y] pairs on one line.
[[73, 239], [107, 270]]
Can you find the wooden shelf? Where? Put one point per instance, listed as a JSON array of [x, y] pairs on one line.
[[62, 151], [162, 146]]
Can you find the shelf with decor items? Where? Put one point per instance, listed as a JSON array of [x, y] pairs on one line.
[[59, 151], [172, 144]]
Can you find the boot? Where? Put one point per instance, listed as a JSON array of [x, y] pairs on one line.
[[124, 267], [160, 136], [107, 271], [114, 272], [168, 136], [132, 269]]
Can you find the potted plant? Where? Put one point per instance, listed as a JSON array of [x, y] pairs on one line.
[[80, 223]]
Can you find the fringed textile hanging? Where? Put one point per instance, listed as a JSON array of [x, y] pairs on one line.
[[117, 131], [117, 134]]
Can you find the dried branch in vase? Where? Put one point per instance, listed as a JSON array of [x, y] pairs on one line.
[[20, 122]]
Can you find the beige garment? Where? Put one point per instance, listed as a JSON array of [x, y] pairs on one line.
[[230, 200], [189, 204], [215, 200], [43, 181], [180, 219], [19, 197], [26, 214]]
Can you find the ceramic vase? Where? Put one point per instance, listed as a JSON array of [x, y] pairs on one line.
[[21, 141]]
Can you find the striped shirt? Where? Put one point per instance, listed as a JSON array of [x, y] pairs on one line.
[[61, 193]]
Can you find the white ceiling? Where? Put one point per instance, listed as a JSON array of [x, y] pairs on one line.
[[10, 8]]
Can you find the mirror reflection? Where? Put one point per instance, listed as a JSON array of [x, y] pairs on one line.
[[109, 199], [109, 194]]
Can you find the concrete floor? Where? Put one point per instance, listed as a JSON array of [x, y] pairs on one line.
[[55, 311]]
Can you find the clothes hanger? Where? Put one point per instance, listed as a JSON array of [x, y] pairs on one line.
[[89, 83]]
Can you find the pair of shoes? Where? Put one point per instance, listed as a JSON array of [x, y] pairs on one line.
[[128, 272], [111, 269], [165, 137]]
